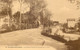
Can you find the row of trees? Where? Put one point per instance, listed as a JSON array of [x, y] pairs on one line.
[[38, 14]]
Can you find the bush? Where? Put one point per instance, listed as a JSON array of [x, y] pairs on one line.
[[73, 45], [5, 28], [46, 31]]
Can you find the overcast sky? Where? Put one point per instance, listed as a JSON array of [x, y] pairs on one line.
[[62, 9]]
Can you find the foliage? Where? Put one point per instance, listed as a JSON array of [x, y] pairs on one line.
[[37, 10], [76, 2]]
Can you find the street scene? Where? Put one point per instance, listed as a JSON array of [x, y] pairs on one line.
[[40, 23]]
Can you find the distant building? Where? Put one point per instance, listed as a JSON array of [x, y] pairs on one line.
[[71, 22]]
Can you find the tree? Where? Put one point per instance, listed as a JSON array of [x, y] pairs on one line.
[[76, 2], [8, 2], [45, 17], [3, 9], [37, 10]]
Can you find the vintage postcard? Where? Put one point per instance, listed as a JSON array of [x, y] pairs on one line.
[[39, 24]]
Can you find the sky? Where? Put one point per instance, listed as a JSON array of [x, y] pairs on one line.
[[62, 9]]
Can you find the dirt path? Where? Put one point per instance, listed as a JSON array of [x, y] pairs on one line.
[[29, 37]]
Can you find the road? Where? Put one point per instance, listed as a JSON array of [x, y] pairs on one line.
[[29, 37]]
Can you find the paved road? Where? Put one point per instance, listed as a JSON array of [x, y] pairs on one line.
[[29, 37]]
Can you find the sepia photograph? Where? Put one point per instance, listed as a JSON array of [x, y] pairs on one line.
[[53, 24]]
